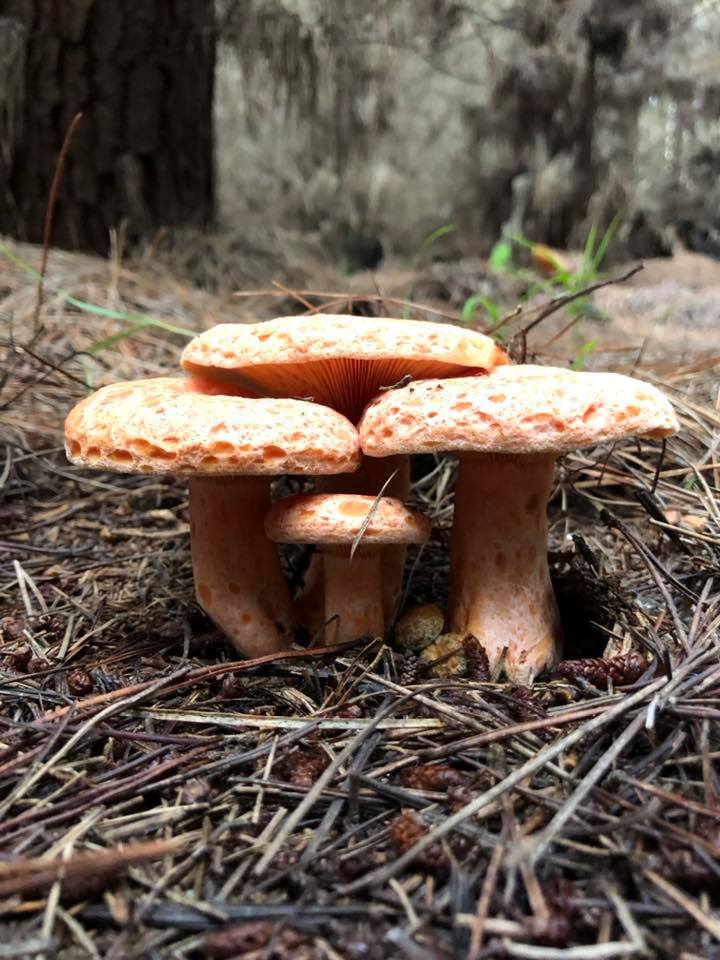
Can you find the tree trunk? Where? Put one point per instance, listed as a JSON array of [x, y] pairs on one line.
[[141, 72]]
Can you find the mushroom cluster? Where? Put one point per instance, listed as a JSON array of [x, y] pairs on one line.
[[347, 400]]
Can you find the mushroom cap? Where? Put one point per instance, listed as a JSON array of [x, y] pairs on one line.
[[340, 361], [520, 409], [336, 518], [169, 425]]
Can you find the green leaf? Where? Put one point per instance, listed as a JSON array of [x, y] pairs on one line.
[[501, 255], [471, 305], [587, 348]]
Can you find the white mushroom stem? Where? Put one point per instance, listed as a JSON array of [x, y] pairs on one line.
[[238, 578], [500, 588], [353, 593]]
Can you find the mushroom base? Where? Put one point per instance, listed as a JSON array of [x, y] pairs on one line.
[[500, 588], [353, 593], [238, 578]]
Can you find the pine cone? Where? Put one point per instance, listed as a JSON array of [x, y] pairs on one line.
[[232, 687], [37, 665], [11, 628], [598, 670], [19, 660], [560, 922], [50, 625], [526, 706], [478, 665], [80, 683], [440, 777], [405, 832], [242, 939], [556, 929], [459, 797], [409, 670], [303, 767], [351, 712]]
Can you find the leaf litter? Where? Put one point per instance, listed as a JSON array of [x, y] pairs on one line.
[[160, 798]]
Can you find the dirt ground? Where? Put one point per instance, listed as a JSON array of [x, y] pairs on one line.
[[159, 798]]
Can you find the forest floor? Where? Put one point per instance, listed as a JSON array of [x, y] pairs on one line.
[[159, 798]]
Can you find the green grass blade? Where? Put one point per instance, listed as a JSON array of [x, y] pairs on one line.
[[605, 243], [106, 342], [138, 319], [436, 235], [471, 305], [588, 252], [522, 241]]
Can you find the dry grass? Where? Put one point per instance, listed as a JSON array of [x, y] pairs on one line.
[[154, 793]]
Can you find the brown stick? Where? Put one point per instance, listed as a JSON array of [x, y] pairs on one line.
[[84, 870], [50, 213]]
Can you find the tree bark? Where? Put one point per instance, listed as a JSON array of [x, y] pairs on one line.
[[141, 72]]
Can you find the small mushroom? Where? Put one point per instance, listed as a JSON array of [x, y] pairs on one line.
[[230, 447], [370, 478], [353, 584], [508, 428]]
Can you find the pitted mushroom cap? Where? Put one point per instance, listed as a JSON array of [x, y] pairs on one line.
[[336, 518], [520, 409], [340, 361], [170, 425]]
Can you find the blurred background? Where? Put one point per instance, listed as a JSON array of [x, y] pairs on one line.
[[245, 139]]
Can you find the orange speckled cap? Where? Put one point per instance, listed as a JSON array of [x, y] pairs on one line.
[[515, 409], [336, 518], [340, 361], [171, 425]]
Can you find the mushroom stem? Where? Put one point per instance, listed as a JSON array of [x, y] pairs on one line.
[[353, 592], [370, 476], [500, 588], [368, 480], [238, 578]]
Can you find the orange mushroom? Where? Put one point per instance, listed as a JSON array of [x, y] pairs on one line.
[[230, 447], [337, 360], [508, 428], [343, 362], [352, 584]]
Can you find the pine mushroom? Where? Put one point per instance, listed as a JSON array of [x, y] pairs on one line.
[[343, 362], [352, 584], [230, 447], [508, 428]]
